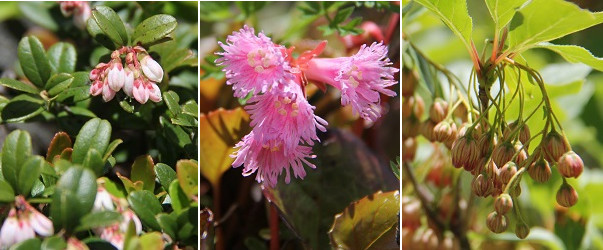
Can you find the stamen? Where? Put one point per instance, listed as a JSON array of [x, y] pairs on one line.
[[353, 81], [294, 105], [266, 62], [277, 104], [259, 69], [294, 113], [282, 111], [286, 100]]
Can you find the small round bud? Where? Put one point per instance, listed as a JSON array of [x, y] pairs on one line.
[[438, 110], [522, 155], [409, 81], [570, 165], [503, 204], [409, 148], [554, 145], [426, 130], [515, 192], [507, 172], [410, 127], [485, 143], [443, 131], [465, 153], [496, 222], [522, 230], [151, 69], [481, 186], [566, 195], [540, 170], [503, 153], [407, 105]]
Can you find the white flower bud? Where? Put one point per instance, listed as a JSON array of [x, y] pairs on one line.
[[42, 225], [9, 229], [155, 94], [151, 69], [103, 201], [108, 93], [116, 77], [141, 94], [129, 82]]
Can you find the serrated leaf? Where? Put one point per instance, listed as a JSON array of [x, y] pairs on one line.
[[62, 57], [146, 206], [34, 61], [154, 28], [575, 54], [57, 83], [18, 85], [502, 11], [545, 20], [188, 172], [143, 170], [111, 24], [21, 108], [98, 219], [29, 172], [16, 150], [455, 15], [165, 174], [94, 134], [7, 194], [73, 198]]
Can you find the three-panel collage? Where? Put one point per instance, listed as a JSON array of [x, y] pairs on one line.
[[200, 125]]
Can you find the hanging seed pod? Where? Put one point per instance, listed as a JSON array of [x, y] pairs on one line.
[[503, 153], [485, 143], [567, 195], [554, 145], [497, 223], [438, 110], [570, 165], [461, 112], [413, 105], [540, 170], [503, 204]]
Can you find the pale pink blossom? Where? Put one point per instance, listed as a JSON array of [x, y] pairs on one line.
[[80, 10], [103, 200], [252, 63], [151, 69], [145, 90], [116, 76], [129, 82], [22, 223], [108, 93], [74, 244], [361, 78]]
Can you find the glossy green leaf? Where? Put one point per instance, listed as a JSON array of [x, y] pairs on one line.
[[173, 57], [94, 134], [191, 108], [151, 241], [129, 185], [188, 224], [33, 243], [165, 174], [18, 85], [6, 192], [111, 24], [365, 221], [171, 99], [99, 219], [39, 13], [168, 224], [62, 57], [54, 243], [188, 173], [545, 20], [59, 142], [342, 15], [154, 29], [73, 198], [146, 207], [57, 83], [16, 150], [94, 161], [29, 172], [178, 197], [575, 54], [21, 108], [455, 15], [97, 33], [111, 147], [502, 11], [34, 61], [79, 89], [142, 170]]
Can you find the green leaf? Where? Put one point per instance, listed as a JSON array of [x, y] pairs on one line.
[[54, 243], [168, 224], [188, 172], [18, 85], [94, 161], [57, 83], [62, 57], [146, 206], [342, 15], [59, 142], [126, 106], [165, 174], [39, 13], [365, 222], [502, 11], [33, 243], [97, 33], [574, 54], [188, 222], [545, 20], [34, 61], [29, 172], [191, 108], [151, 240], [129, 185], [173, 57], [112, 146], [154, 29], [142, 170], [171, 100], [455, 15], [21, 108], [73, 198], [98, 219], [79, 89], [111, 24], [94, 134], [16, 150], [178, 197], [6, 192]]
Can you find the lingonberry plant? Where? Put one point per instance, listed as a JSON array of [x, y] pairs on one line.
[[495, 131], [94, 166], [300, 100]]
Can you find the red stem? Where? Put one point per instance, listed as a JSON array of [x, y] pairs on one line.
[[394, 20], [274, 239]]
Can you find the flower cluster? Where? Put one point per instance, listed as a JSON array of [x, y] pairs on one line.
[[24, 222], [283, 121], [80, 10], [137, 78], [115, 234]]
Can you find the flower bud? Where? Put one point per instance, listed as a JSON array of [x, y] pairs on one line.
[[465, 153], [507, 172], [522, 230], [522, 155], [566, 195], [108, 93], [540, 170], [413, 105], [128, 82], [154, 93], [503, 204], [81, 16], [492, 170], [485, 143], [116, 77], [151, 69], [570, 165], [139, 91], [427, 129], [438, 110], [496, 222], [554, 145], [503, 153], [40, 224], [444, 131], [130, 58], [515, 192], [409, 81], [410, 127], [409, 148], [481, 186]]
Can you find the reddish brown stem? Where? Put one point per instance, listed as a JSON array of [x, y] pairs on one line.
[[274, 239], [394, 20]]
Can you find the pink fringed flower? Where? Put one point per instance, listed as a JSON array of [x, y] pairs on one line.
[[360, 78], [253, 63], [269, 159]]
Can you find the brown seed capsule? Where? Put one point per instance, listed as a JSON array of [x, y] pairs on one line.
[[481, 186], [503, 204], [522, 230], [540, 170], [503, 153], [427, 130], [567, 195], [570, 165], [497, 223], [438, 110], [465, 153], [554, 145], [507, 172], [409, 81], [409, 148], [410, 127]]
